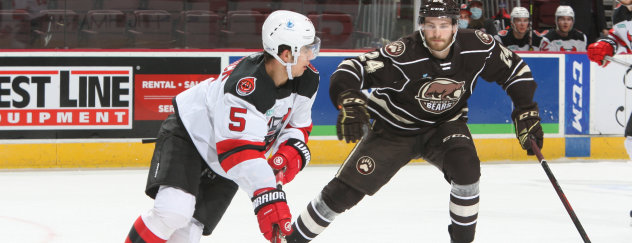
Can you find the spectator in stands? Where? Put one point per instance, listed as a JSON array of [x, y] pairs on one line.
[[593, 18], [464, 19], [478, 21], [519, 37], [565, 37]]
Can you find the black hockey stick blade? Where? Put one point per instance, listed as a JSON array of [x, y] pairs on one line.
[[559, 191], [277, 235]]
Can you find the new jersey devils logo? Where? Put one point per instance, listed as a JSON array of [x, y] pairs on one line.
[[569, 49], [365, 165], [246, 86], [440, 95]]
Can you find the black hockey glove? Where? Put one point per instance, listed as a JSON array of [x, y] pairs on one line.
[[353, 116], [526, 120]]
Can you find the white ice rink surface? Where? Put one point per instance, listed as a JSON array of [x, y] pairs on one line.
[[518, 204]]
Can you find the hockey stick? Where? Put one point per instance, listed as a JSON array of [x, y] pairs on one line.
[[622, 63], [530, 25], [277, 236], [559, 191]]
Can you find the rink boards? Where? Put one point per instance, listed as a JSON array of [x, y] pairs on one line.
[[91, 108]]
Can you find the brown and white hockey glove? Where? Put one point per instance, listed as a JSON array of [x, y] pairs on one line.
[[526, 119], [353, 115]]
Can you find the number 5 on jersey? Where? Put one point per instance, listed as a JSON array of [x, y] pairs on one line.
[[239, 120]]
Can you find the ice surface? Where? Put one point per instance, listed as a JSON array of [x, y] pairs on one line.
[[518, 204]]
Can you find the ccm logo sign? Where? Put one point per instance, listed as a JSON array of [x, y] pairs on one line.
[[36, 98]]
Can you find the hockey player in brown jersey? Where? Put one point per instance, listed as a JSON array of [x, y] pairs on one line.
[[420, 87]]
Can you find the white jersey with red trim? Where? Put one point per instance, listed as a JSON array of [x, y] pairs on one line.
[[240, 118], [574, 41], [620, 33]]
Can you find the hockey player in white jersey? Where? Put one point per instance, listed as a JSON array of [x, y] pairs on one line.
[[564, 37], [618, 41], [222, 132], [520, 37]]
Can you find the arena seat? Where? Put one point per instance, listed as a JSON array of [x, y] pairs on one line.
[[173, 7], [243, 30], [57, 29], [153, 29], [218, 7], [105, 29], [15, 29], [199, 29], [336, 30]]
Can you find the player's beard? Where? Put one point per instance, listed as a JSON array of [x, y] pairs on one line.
[[439, 46]]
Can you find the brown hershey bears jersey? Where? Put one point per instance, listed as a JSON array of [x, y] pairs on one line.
[[412, 91]]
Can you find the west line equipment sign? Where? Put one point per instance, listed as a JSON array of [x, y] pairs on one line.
[[45, 97]]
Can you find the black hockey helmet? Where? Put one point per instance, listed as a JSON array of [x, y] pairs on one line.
[[439, 8]]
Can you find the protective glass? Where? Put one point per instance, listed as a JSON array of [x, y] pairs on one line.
[[311, 51]]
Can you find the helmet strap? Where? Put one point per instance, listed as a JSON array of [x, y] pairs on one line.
[[288, 66]]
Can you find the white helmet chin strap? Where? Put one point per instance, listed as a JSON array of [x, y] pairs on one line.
[[288, 66], [427, 46]]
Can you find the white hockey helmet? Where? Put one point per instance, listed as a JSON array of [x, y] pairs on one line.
[[518, 12], [295, 30], [564, 11]]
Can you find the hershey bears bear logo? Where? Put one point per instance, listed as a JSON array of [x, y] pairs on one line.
[[365, 165], [246, 86], [440, 95], [485, 38], [395, 49]]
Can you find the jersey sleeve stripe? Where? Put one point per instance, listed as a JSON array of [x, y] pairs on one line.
[[305, 130], [361, 69], [236, 158], [514, 71], [340, 69], [519, 80]]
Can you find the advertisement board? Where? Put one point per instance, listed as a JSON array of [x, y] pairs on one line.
[[77, 95], [577, 89], [64, 97], [608, 109]]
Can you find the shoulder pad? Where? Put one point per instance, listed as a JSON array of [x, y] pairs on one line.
[[484, 37], [502, 32], [395, 49], [248, 84]]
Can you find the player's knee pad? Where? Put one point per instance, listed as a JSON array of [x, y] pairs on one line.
[[462, 165], [339, 196], [173, 209], [188, 234]]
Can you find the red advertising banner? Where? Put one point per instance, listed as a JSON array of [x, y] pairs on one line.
[[155, 91]]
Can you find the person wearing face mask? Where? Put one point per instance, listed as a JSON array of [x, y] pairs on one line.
[[520, 37], [464, 18], [564, 37], [478, 21]]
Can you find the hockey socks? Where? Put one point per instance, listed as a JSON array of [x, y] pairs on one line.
[[312, 221], [463, 212], [141, 234]]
